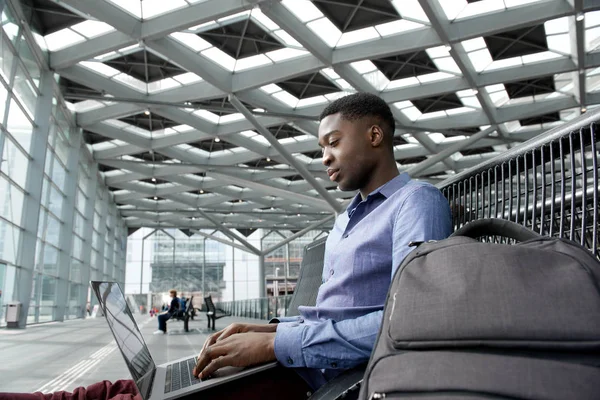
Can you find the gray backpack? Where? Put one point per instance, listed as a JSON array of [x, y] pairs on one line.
[[472, 320]]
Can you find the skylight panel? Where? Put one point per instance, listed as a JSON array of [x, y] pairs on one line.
[[481, 8], [258, 15], [286, 98], [537, 57], [474, 44], [453, 7], [131, 82], [132, 7], [207, 115], [431, 115], [161, 85], [376, 79], [362, 67], [87, 105], [304, 10], [405, 82], [502, 64], [187, 78], [270, 88], [91, 29], [592, 33], [326, 30], [260, 139], [153, 8], [411, 9], [63, 38], [286, 38], [556, 26], [220, 58], [311, 101], [455, 111], [447, 64], [412, 113], [192, 41], [358, 36], [226, 119], [116, 123], [100, 68], [285, 54], [330, 73], [252, 62], [436, 76], [480, 59]]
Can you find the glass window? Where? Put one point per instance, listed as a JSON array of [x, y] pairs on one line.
[[80, 201], [42, 223], [52, 230], [15, 163], [19, 126], [11, 201], [48, 291], [79, 224], [56, 202], [24, 91], [95, 240], [31, 64], [3, 97], [9, 24], [77, 250], [75, 272], [6, 61], [62, 149], [9, 240], [58, 174], [50, 260]]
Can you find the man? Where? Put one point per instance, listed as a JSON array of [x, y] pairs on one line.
[[165, 316], [368, 242]]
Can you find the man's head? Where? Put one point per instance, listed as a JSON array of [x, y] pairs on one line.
[[173, 293], [356, 134]]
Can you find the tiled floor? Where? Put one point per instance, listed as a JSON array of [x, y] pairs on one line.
[[63, 356]]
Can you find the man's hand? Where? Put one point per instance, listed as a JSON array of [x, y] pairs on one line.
[[236, 351], [237, 328]]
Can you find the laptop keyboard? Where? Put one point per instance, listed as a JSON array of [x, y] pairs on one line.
[[179, 375]]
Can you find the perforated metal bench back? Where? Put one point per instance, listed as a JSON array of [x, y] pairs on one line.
[[309, 281]]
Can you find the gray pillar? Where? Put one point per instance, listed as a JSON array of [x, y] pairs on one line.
[[101, 234], [203, 267], [86, 269], [233, 271], [261, 276], [33, 187], [66, 230]]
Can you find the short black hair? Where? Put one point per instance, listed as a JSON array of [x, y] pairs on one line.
[[360, 105]]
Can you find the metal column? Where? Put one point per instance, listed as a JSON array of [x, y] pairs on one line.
[[66, 230], [33, 187], [86, 269]]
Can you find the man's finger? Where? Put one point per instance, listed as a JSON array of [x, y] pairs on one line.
[[207, 355], [214, 365]]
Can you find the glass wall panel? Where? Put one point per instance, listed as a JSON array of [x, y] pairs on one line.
[[11, 201], [9, 240], [15, 163], [19, 126]]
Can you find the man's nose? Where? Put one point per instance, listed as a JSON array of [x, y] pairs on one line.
[[326, 157]]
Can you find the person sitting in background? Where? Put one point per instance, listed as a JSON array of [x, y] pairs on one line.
[[165, 316]]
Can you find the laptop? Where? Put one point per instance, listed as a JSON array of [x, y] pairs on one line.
[[167, 381]]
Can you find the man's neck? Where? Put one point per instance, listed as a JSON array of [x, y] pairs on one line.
[[381, 176]]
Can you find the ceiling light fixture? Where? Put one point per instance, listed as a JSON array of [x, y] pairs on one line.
[[583, 109], [201, 191], [147, 112], [217, 139], [193, 218], [153, 179], [268, 159], [155, 198], [580, 17]]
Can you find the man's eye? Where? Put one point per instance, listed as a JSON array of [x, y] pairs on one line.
[[333, 143]]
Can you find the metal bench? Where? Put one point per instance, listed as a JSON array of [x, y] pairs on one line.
[[213, 313]]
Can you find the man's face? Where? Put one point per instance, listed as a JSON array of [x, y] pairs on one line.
[[347, 151]]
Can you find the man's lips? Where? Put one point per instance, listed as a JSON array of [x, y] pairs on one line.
[[333, 173]]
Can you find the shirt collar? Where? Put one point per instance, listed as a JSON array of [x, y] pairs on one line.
[[386, 190]]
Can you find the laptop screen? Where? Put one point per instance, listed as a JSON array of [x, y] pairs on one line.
[[127, 335]]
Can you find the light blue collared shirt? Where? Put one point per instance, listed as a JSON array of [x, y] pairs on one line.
[[367, 244]]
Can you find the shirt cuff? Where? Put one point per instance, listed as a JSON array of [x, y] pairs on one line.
[[288, 345], [277, 320]]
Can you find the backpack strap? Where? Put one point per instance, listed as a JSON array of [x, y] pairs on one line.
[[496, 227]]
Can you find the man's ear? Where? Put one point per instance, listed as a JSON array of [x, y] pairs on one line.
[[377, 136]]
